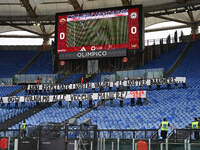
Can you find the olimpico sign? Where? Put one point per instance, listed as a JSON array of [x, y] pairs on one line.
[[93, 54]]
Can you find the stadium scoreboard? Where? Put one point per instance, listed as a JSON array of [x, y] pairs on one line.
[[109, 32]]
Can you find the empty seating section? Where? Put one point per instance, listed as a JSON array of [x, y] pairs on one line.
[[6, 113], [6, 90], [72, 78], [13, 61], [43, 64], [166, 59], [55, 114], [179, 106], [190, 64]]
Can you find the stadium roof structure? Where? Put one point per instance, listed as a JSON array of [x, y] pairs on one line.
[[38, 16]]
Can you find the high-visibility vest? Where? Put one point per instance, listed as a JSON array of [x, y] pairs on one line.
[[23, 126], [164, 126], [195, 125]]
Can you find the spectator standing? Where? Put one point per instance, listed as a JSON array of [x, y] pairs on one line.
[[121, 102], [80, 103], [38, 80], [132, 101]]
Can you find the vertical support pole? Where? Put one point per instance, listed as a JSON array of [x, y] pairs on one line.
[[16, 142], [189, 145], [133, 144], [104, 144], [9, 143], [75, 145], [91, 145], [149, 144], [117, 143], [185, 144], [161, 146], [38, 144], [98, 144], [112, 145], [166, 144]]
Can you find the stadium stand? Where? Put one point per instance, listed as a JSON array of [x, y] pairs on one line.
[[45, 101], [6, 90], [12, 61], [39, 63], [51, 114], [43, 65], [166, 59], [38, 109], [121, 118], [179, 106], [72, 78]]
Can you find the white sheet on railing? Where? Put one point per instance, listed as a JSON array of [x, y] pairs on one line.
[[71, 97], [108, 84]]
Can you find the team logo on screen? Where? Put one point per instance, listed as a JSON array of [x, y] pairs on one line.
[[83, 49], [134, 45], [62, 21], [133, 15], [93, 48]]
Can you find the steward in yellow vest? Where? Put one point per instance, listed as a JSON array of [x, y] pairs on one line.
[[195, 125], [164, 128], [23, 129]]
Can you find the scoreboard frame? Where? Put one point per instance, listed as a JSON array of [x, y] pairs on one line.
[[95, 54]]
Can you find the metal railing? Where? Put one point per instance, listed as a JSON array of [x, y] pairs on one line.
[[102, 144], [134, 74], [31, 78]]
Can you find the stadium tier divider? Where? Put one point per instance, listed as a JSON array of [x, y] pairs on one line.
[[29, 112], [179, 59]]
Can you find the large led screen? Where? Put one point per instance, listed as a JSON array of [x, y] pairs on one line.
[[99, 30]]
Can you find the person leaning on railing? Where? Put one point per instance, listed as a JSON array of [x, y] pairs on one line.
[[164, 128]]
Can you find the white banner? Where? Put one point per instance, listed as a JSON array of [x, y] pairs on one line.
[[72, 97], [125, 83]]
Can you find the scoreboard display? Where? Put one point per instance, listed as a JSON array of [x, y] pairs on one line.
[[106, 32]]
